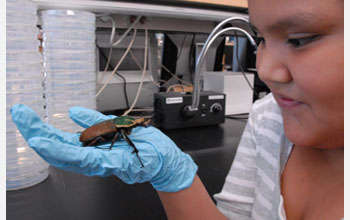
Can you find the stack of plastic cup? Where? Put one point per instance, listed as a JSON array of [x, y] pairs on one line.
[[69, 53], [24, 168]]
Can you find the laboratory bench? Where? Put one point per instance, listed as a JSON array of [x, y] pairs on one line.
[[70, 196]]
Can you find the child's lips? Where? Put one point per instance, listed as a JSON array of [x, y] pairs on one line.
[[286, 102]]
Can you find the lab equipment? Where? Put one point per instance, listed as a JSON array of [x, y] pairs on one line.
[[69, 64], [239, 95], [24, 168], [166, 167], [170, 112], [191, 109]]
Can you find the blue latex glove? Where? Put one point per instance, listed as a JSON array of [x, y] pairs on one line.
[[166, 167]]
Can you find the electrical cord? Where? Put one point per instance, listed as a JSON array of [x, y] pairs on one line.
[[175, 76], [240, 65], [139, 65], [118, 74], [105, 18], [123, 57], [125, 33], [117, 66], [166, 69], [243, 117], [124, 88], [143, 74]]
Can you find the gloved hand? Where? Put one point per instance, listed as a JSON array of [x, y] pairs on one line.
[[166, 167]]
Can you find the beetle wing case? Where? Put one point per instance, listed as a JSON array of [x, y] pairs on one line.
[[97, 130]]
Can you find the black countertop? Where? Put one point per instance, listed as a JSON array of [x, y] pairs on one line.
[[69, 196]]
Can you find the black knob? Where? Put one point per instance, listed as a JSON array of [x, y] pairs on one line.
[[216, 108], [187, 112]]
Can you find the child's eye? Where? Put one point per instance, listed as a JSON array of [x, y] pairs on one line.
[[300, 42]]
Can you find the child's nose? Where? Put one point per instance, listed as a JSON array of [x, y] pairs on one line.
[[271, 65]]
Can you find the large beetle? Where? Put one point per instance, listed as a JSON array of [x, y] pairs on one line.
[[111, 130]]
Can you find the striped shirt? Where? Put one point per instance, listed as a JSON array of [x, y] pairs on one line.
[[252, 187]]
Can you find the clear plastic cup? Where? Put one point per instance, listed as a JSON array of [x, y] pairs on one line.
[[71, 86], [23, 158], [24, 167], [24, 57], [21, 90], [24, 161], [36, 102], [72, 96], [57, 105], [21, 70], [20, 10], [13, 152], [24, 84], [61, 111], [10, 126], [69, 45], [14, 137], [21, 172], [26, 181], [69, 15], [63, 26], [67, 126], [70, 76], [13, 18], [18, 66], [70, 65], [70, 55], [25, 97], [69, 35], [22, 32], [29, 74], [23, 44], [21, 6]]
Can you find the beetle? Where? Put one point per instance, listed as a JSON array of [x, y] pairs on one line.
[[111, 130]]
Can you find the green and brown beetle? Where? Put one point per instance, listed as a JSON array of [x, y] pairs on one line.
[[111, 130]]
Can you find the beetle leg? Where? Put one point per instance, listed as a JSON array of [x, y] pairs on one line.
[[146, 123], [114, 139], [136, 151], [95, 141]]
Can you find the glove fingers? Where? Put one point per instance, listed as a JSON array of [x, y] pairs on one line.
[[30, 125], [86, 160], [47, 149], [90, 161], [53, 150], [87, 117]]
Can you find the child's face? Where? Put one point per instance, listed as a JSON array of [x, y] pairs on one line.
[[301, 59]]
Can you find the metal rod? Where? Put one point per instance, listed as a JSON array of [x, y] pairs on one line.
[[199, 62]]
